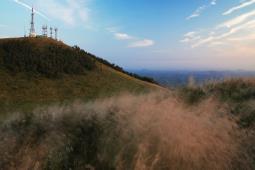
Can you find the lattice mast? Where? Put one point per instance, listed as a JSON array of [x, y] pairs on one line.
[[45, 31], [32, 28], [56, 33], [51, 32]]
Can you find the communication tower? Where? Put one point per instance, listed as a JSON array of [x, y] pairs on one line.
[[56, 33], [51, 32], [45, 30], [32, 28]]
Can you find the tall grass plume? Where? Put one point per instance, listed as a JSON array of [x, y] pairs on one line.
[[146, 132]]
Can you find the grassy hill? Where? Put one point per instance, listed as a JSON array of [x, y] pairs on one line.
[[210, 126], [42, 70]]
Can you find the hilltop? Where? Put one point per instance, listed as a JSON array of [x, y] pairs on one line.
[[42, 70]]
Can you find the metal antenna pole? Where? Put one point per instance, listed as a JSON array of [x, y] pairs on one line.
[[56, 33], [32, 29]]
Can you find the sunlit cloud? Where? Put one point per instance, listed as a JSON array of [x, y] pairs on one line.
[[238, 20]]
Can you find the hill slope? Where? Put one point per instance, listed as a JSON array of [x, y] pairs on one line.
[[42, 70]]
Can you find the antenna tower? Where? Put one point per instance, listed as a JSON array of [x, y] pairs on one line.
[[56, 33], [32, 28], [51, 32], [45, 30]]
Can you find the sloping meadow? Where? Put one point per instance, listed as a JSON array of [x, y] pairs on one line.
[[145, 132]]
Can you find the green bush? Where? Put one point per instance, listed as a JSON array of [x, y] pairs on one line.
[[235, 90], [192, 95]]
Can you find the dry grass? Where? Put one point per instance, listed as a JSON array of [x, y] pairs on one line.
[[172, 136], [154, 131]]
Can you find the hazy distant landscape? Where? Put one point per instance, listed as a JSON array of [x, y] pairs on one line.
[[181, 78]]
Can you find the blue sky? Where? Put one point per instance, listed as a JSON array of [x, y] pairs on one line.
[[147, 34]]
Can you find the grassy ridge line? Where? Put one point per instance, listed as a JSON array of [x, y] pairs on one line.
[[51, 58], [50, 52]]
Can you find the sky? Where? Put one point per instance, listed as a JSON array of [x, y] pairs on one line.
[[146, 34]]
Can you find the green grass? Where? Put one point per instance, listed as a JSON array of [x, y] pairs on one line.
[[24, 91]]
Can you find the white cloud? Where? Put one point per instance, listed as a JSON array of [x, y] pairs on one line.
[[238, 20], [213, 2], [242, 30], [232, 40], [122, 36], [30, 7], [142, 43], [190, 36], [201, 9], [197, 12], [71, 12], [242, 5], [135, 42]]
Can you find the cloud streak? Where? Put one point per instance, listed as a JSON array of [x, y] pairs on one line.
[[71, 12], [190, 36], [242, 5], [240, 30], [30, 7], [201, 9], [197, 12], [238, 20]]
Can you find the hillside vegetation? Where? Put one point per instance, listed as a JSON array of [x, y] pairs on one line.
[[43, 70]]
